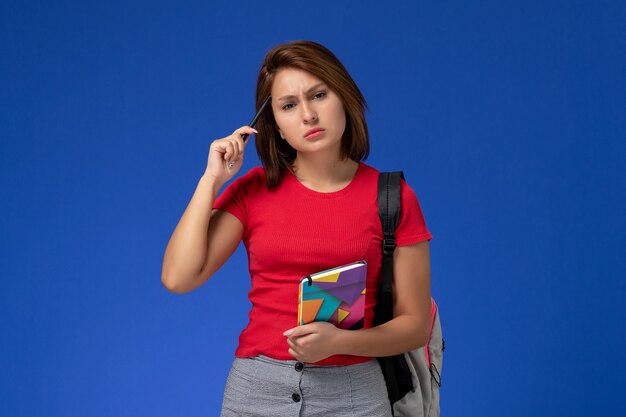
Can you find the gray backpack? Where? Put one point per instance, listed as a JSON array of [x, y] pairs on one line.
[[413, 378]]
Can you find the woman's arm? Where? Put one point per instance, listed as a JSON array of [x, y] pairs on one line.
[[205, 238], [408, 330]]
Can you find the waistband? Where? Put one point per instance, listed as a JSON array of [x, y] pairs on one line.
[[292, 363]]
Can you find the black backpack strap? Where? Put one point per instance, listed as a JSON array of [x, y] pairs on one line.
[[389, 209], [395, 369]]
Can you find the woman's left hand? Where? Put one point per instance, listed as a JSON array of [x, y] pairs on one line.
[[313, 342]]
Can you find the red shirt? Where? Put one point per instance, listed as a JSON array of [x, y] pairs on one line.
[[293, 231]]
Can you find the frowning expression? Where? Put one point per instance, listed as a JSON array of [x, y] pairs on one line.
[[309, 115]]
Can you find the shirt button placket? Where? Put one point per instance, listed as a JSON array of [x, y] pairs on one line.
[[297, 396]]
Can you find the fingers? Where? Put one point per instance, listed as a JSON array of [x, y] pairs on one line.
[[313, 342], [245, 129], [232, 147], [299, 338], [226, 155], [295, 345], [292, 344], [236, 145], [300, 330], [304, 354], [295, 350], [239, 134], [294, 354]]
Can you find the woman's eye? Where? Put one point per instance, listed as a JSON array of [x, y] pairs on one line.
[[320, 94], [287, 106]]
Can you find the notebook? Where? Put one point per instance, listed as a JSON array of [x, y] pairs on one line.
[[336, 295]]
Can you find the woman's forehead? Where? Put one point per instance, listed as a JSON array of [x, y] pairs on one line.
[[292, 81]]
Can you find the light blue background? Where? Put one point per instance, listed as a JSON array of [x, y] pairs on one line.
[[508, 118]]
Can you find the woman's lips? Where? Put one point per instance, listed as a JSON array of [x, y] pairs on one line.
[[313, 133]]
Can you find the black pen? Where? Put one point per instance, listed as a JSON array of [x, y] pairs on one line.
[[252, 123], [257, 115]]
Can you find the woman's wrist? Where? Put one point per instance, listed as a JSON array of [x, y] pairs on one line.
[[342, 342], [210, 183]]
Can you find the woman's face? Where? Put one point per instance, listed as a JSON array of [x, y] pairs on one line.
[[308, 113]]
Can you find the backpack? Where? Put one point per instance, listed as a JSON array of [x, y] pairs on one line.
[[412, 378]]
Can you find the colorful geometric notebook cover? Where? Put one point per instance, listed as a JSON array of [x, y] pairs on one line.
[[335, 295]]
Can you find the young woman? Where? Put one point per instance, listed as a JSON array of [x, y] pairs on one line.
[[311, 207]]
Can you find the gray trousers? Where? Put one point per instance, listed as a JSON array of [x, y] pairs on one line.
[[262, 386]]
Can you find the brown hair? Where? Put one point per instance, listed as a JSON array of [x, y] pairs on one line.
[[277, 155]]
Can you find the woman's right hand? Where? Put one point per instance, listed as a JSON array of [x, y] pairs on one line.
[[226, 156]]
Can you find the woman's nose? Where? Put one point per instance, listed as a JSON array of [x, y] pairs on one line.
[[309, 115]]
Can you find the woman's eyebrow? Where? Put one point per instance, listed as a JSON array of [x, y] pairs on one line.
[[290, 96]]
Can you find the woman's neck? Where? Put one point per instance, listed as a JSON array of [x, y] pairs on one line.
[[324, 175]]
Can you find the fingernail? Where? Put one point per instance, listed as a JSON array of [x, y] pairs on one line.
[[255, 131], [288, 332]]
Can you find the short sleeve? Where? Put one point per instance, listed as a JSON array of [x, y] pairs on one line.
[[412, 227], [235, 198]]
